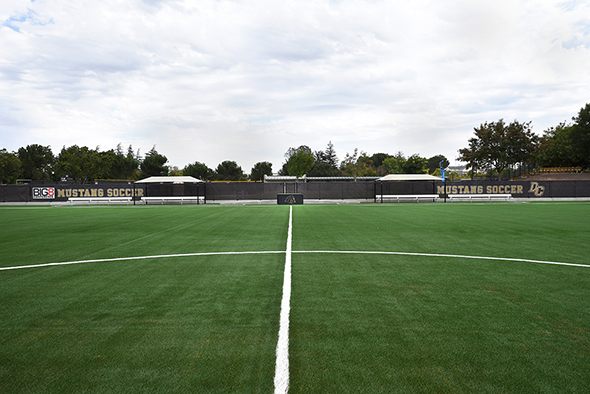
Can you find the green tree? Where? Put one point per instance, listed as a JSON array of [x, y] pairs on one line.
[[434, 163], [555, 147], [327, 156], [10, 167], [325, 163], [121, 165], [323, 169], [497, 146], [259, 170], [365, 165], [80, 163], [354, 164], [229, 171], [198, 170], [299, 161], [395, 164], [566, 144], [377, 159], [37, 162], [415, 165], [580, 137], [153, 164]]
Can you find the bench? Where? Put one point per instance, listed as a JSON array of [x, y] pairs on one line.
[[472, 197], [181, 199], [100, 200], [411, 197]]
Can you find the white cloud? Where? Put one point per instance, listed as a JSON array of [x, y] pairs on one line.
[[234, 80]]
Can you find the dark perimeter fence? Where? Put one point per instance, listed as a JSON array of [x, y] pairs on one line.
[[365, 190]]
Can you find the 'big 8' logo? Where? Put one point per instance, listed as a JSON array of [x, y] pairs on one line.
[[44, 192]]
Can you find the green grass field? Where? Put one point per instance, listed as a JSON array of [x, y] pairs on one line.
[[396, 323]]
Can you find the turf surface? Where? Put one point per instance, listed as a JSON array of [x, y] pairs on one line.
[[359, 323]]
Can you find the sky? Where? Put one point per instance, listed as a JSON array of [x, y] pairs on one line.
[[216, 80]]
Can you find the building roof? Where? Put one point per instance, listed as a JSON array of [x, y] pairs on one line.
[[170, 179]]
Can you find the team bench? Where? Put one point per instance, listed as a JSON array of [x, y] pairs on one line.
[[174, 199], [411, 197], [100, 200], [473, 197]]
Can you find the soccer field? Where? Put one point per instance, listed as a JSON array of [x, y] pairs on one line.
[[384, 298]]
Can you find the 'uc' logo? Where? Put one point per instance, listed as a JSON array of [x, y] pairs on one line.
[[536, 189]]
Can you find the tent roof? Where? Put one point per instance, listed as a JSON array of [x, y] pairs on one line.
[[410, 177], [305, 178], [169, 179]]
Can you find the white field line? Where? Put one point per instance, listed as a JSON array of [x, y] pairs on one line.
[[161, 256], [281, 380], [457, 256]]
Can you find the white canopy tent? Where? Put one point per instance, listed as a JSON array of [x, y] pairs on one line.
[[178, 180], [402, 188], [409, 177], [179, 187]]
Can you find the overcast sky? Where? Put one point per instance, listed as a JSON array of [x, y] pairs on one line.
[[210, 81]]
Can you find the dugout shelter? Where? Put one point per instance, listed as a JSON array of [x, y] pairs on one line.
[[405, 185], [172, 188]]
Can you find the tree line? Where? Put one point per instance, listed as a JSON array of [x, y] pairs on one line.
[[497, 147], [82, 165], [303, 161]]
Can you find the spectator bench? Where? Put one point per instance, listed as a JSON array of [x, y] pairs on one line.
[[411, 197], [100, 200], [473, 197], [175, 199]]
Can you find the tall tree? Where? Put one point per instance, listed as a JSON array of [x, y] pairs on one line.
[[10, 167], [299, 161], [80, 163], [354, 164], [302, 148], [366, 166], [434, 163], [555, 147], [154, 164], [327, 156], [198, 170], [580, 136], [229, 171], [323, 169], [497, 146], [37, 162], [415, 165], [395, 164], [122, 165], [377, 160], [259, 170], [325, 162]]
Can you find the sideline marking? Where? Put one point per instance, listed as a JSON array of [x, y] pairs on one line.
[[161, 256], [281, 380], [457, 256]]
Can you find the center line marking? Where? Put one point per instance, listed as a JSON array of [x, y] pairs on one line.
[[281, 380]]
